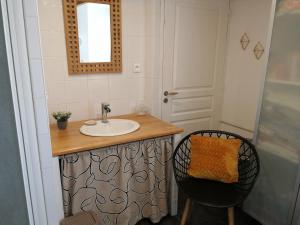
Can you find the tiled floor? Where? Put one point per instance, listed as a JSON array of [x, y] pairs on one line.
[[205, 216]]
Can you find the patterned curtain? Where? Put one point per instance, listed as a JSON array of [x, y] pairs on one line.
[[121, 184]]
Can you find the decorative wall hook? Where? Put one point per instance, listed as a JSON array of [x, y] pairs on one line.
[[258, 50], [245, 41]]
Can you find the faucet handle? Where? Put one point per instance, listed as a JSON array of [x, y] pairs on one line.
[[105, 111], [107, 108]]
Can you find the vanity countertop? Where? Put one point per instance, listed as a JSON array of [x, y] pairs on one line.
[[70, 140]]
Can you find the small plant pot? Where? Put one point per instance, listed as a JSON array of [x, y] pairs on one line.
[[62, 125]]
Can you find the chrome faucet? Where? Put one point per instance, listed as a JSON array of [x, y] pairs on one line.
[[105, 109]]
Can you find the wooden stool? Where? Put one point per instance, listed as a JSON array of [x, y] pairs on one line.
[[82, 218]]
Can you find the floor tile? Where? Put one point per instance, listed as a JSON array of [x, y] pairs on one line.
[[205, 216]]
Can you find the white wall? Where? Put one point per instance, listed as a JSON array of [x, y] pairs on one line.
[[82, 94], [244, 74]]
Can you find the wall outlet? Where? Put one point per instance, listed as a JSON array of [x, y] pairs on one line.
[[137, 68]]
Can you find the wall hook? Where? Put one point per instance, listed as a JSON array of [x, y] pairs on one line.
[[244, 41], [258, 50]]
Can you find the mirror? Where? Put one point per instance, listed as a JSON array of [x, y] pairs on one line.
[[93, 36], [94, 32]]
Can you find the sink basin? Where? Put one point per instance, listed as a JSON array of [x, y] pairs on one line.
[[114, 127]]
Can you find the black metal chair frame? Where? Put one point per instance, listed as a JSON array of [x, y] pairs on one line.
[[213, 193]]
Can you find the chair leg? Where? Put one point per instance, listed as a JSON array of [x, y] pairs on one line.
[[231, 216], [186, 211]]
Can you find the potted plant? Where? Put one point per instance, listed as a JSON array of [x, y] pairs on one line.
[[62, 119]]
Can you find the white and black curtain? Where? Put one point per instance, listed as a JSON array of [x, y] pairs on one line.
[[121, 184]]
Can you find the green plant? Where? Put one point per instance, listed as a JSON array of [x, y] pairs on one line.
[[61, 116]]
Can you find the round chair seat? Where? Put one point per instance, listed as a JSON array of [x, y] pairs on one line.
[[212, 193]]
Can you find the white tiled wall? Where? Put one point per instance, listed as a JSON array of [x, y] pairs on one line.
[[83, 94]]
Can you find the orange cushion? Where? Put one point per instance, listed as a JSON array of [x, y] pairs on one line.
[[214, 158]]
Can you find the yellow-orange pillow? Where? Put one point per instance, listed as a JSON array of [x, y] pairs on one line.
[[214, 158]]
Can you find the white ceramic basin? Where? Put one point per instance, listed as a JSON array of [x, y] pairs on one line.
[[114, 127]]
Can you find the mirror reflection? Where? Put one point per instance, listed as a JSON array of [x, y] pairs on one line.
[[94, 31]]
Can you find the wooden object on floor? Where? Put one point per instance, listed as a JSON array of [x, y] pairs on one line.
[[231, 216], [82, 218], [186, 211], [70, 140]]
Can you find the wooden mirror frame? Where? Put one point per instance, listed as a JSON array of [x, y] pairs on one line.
[[72, 40]]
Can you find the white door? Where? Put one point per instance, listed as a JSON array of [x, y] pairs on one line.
[[194, 49]]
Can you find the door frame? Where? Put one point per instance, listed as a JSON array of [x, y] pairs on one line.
[[263, 79], [16, 110], [16, 46]]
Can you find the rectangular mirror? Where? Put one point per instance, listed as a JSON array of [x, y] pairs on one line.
[[94, 32], [93, 36]]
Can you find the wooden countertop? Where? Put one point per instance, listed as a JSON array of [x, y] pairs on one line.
[[71, 140]]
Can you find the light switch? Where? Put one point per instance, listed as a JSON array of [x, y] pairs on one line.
[[137, 68]]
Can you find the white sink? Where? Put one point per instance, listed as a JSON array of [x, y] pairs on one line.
[[114, 127]]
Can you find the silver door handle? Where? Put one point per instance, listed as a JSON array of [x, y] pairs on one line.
[[166, 93]]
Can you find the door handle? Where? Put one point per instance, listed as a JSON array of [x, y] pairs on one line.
[[172, 93]]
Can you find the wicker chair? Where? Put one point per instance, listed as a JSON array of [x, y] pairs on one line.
[[213, 193]]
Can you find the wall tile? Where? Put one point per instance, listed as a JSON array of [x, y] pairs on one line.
[[118, 86], [53, 11], [76, 91], [97, 76], [136, 88], [55, 69], [125, 48], [99, 88], [136, 47], [133, 25], [119, 107], [56, 92], [53, 44], [133, 6], [79, 110], [132, 103], [73, 77], [133, 17], [153, 97], [150, 56], [95, 109], [49, 3]]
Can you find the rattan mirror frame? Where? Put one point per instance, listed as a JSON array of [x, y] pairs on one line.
[[72, 41]]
